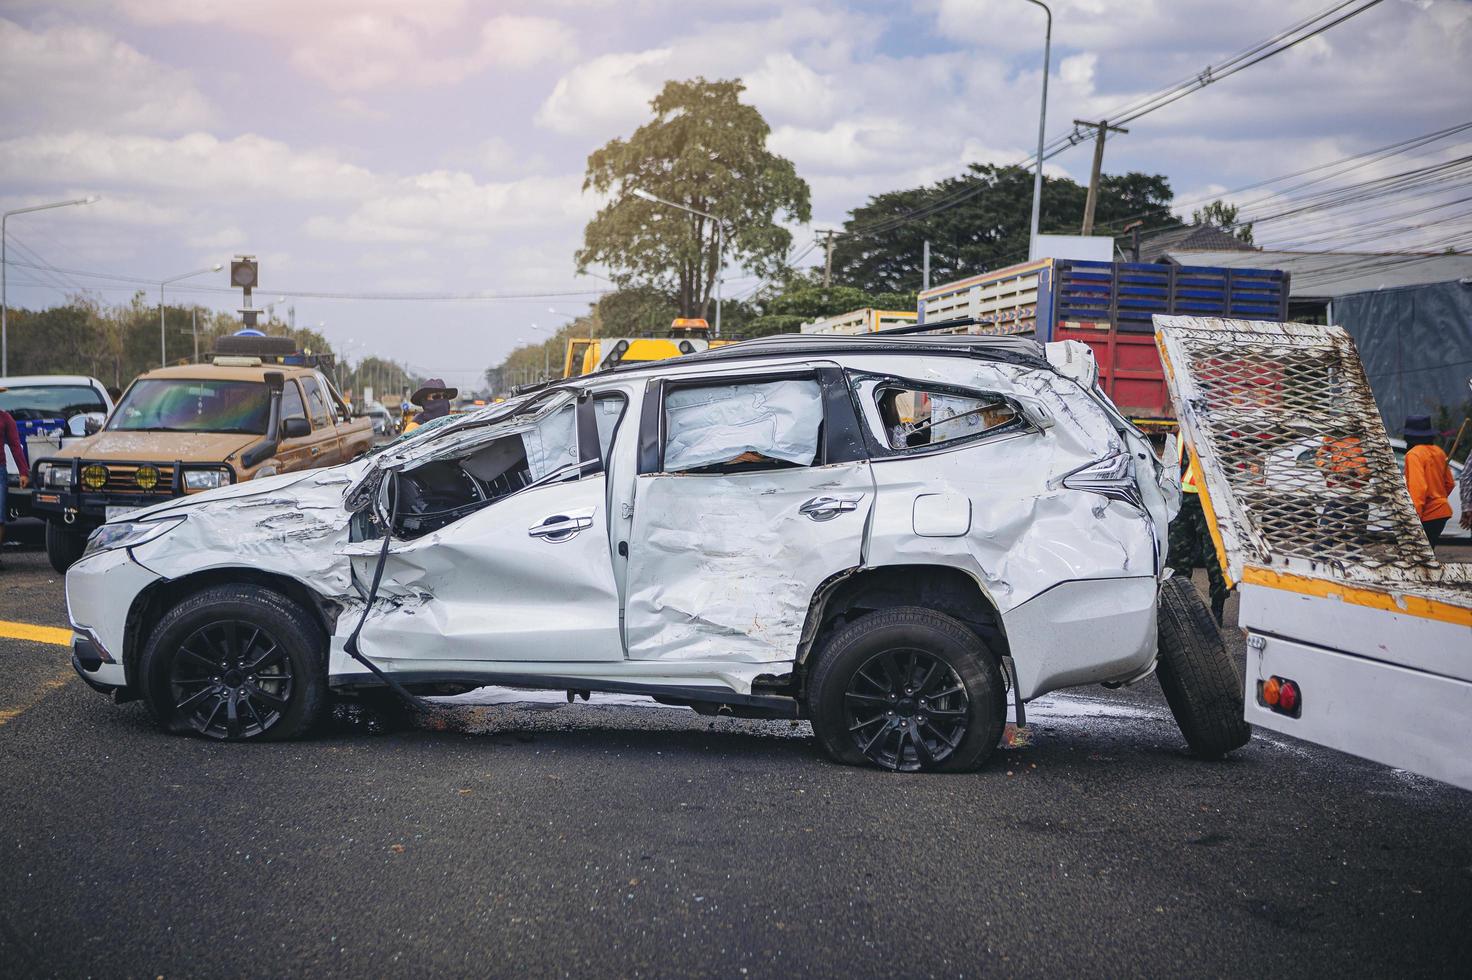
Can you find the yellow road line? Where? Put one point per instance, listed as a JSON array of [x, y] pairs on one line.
[[10, 714], [35, 634]]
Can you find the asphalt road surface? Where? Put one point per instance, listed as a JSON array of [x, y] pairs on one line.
[[496, 838]]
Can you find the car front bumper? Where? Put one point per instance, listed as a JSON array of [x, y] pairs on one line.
[[100, 592]]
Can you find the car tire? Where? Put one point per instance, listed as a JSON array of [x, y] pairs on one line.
[[1199, 678], [235, 663], [64, 545], [907, 689]]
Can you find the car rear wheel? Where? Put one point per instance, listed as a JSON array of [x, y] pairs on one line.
[[237, 664], [64, 545], [1199, 678], [907, 689]]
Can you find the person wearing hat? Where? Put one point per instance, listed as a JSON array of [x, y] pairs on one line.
[[434, 398], [1428, 476]]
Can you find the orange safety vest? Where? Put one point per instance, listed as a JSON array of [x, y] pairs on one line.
[[1343, 461], [1188, 472]]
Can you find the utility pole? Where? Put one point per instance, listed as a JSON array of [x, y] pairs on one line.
[[828, 262], [925, 266], [1100, 129]]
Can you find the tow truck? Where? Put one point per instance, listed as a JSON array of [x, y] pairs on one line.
[[687, 335], [1359, 637]]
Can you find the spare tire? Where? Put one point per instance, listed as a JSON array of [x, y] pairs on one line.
[[1199, 678]]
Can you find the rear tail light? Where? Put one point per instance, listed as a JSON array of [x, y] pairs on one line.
[[1281, 695]]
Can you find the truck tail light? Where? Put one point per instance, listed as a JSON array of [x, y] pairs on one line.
[[1281, 695]]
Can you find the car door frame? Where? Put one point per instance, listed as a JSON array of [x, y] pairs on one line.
[[589, 470], [841, 442]]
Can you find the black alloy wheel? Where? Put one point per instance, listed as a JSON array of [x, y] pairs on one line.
[[235, 663], [907, 689], [231, 679], [906, 710]]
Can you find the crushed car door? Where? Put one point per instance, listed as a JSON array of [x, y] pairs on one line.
[[752, 491], [504, 551]]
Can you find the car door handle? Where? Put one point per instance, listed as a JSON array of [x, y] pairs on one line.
[[827, 508], [316, 450], [560, 527]]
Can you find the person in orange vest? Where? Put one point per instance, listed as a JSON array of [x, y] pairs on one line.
[[1428, 476], [1346, 470], [1191, 545], [435, 397]]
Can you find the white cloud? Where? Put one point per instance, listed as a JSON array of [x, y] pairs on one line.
[[247, 167], [364, 45], [76, 76], [787, 89], [607, 94], [444, 205]]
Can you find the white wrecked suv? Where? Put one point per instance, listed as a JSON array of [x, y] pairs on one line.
[[885, 535]]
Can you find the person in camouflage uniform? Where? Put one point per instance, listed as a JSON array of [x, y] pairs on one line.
[[1191, 546]]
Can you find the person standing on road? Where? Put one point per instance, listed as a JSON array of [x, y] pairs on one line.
[[435, 399], [11, 441], [1428, 476], [1191, 545]]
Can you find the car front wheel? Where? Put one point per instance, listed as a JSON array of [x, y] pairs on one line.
[[237, 664], [64, 545], [907, 689]]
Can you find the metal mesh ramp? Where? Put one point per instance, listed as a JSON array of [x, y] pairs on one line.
[[1299, 471]]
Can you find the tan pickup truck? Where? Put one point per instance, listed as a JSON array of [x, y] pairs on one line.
[[184, 430]]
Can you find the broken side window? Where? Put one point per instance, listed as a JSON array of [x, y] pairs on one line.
[[915, 416], [439, 492], [608, 410], [736, 427]]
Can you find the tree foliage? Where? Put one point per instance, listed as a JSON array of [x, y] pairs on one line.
[[803, 298], [987, 230], [1224, 216], [116, 343], [706, 150]]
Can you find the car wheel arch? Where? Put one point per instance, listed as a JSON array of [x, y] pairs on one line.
[[944, 588], [151, 604]]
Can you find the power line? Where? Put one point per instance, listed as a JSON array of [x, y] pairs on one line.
[[315, 294], [1244, 59]]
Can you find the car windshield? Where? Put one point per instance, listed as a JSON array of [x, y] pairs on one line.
[[30, 403], [189, 405]]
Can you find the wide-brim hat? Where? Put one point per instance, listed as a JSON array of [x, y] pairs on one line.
[[1417, 425], [433, 384]]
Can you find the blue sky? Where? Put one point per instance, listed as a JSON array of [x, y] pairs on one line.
[[437, 147]]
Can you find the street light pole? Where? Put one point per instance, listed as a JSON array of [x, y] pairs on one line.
[[5, 270], [163, 350], [644, 195], [1037, 177]]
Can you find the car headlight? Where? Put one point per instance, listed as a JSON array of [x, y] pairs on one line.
[[129, 534], [54, 477], [205, 479]]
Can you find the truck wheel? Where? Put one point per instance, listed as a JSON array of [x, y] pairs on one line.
[[907, 689], [63, 545], [235, 663], [1199, 677]]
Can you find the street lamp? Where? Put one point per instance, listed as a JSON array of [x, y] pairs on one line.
[[5, 267], [1037, 177], [644, 195], [163, 352]]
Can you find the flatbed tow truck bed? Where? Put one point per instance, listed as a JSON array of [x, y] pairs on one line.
[[1343, 600]]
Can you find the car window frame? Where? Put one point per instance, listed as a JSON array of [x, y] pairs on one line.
[[291, 383], [327, 412], [840, 440], [877, 443]]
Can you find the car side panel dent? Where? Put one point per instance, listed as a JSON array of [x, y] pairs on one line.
[[1083, 632]]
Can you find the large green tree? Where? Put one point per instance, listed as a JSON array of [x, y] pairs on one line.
[[706, 150], [980, 221]]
